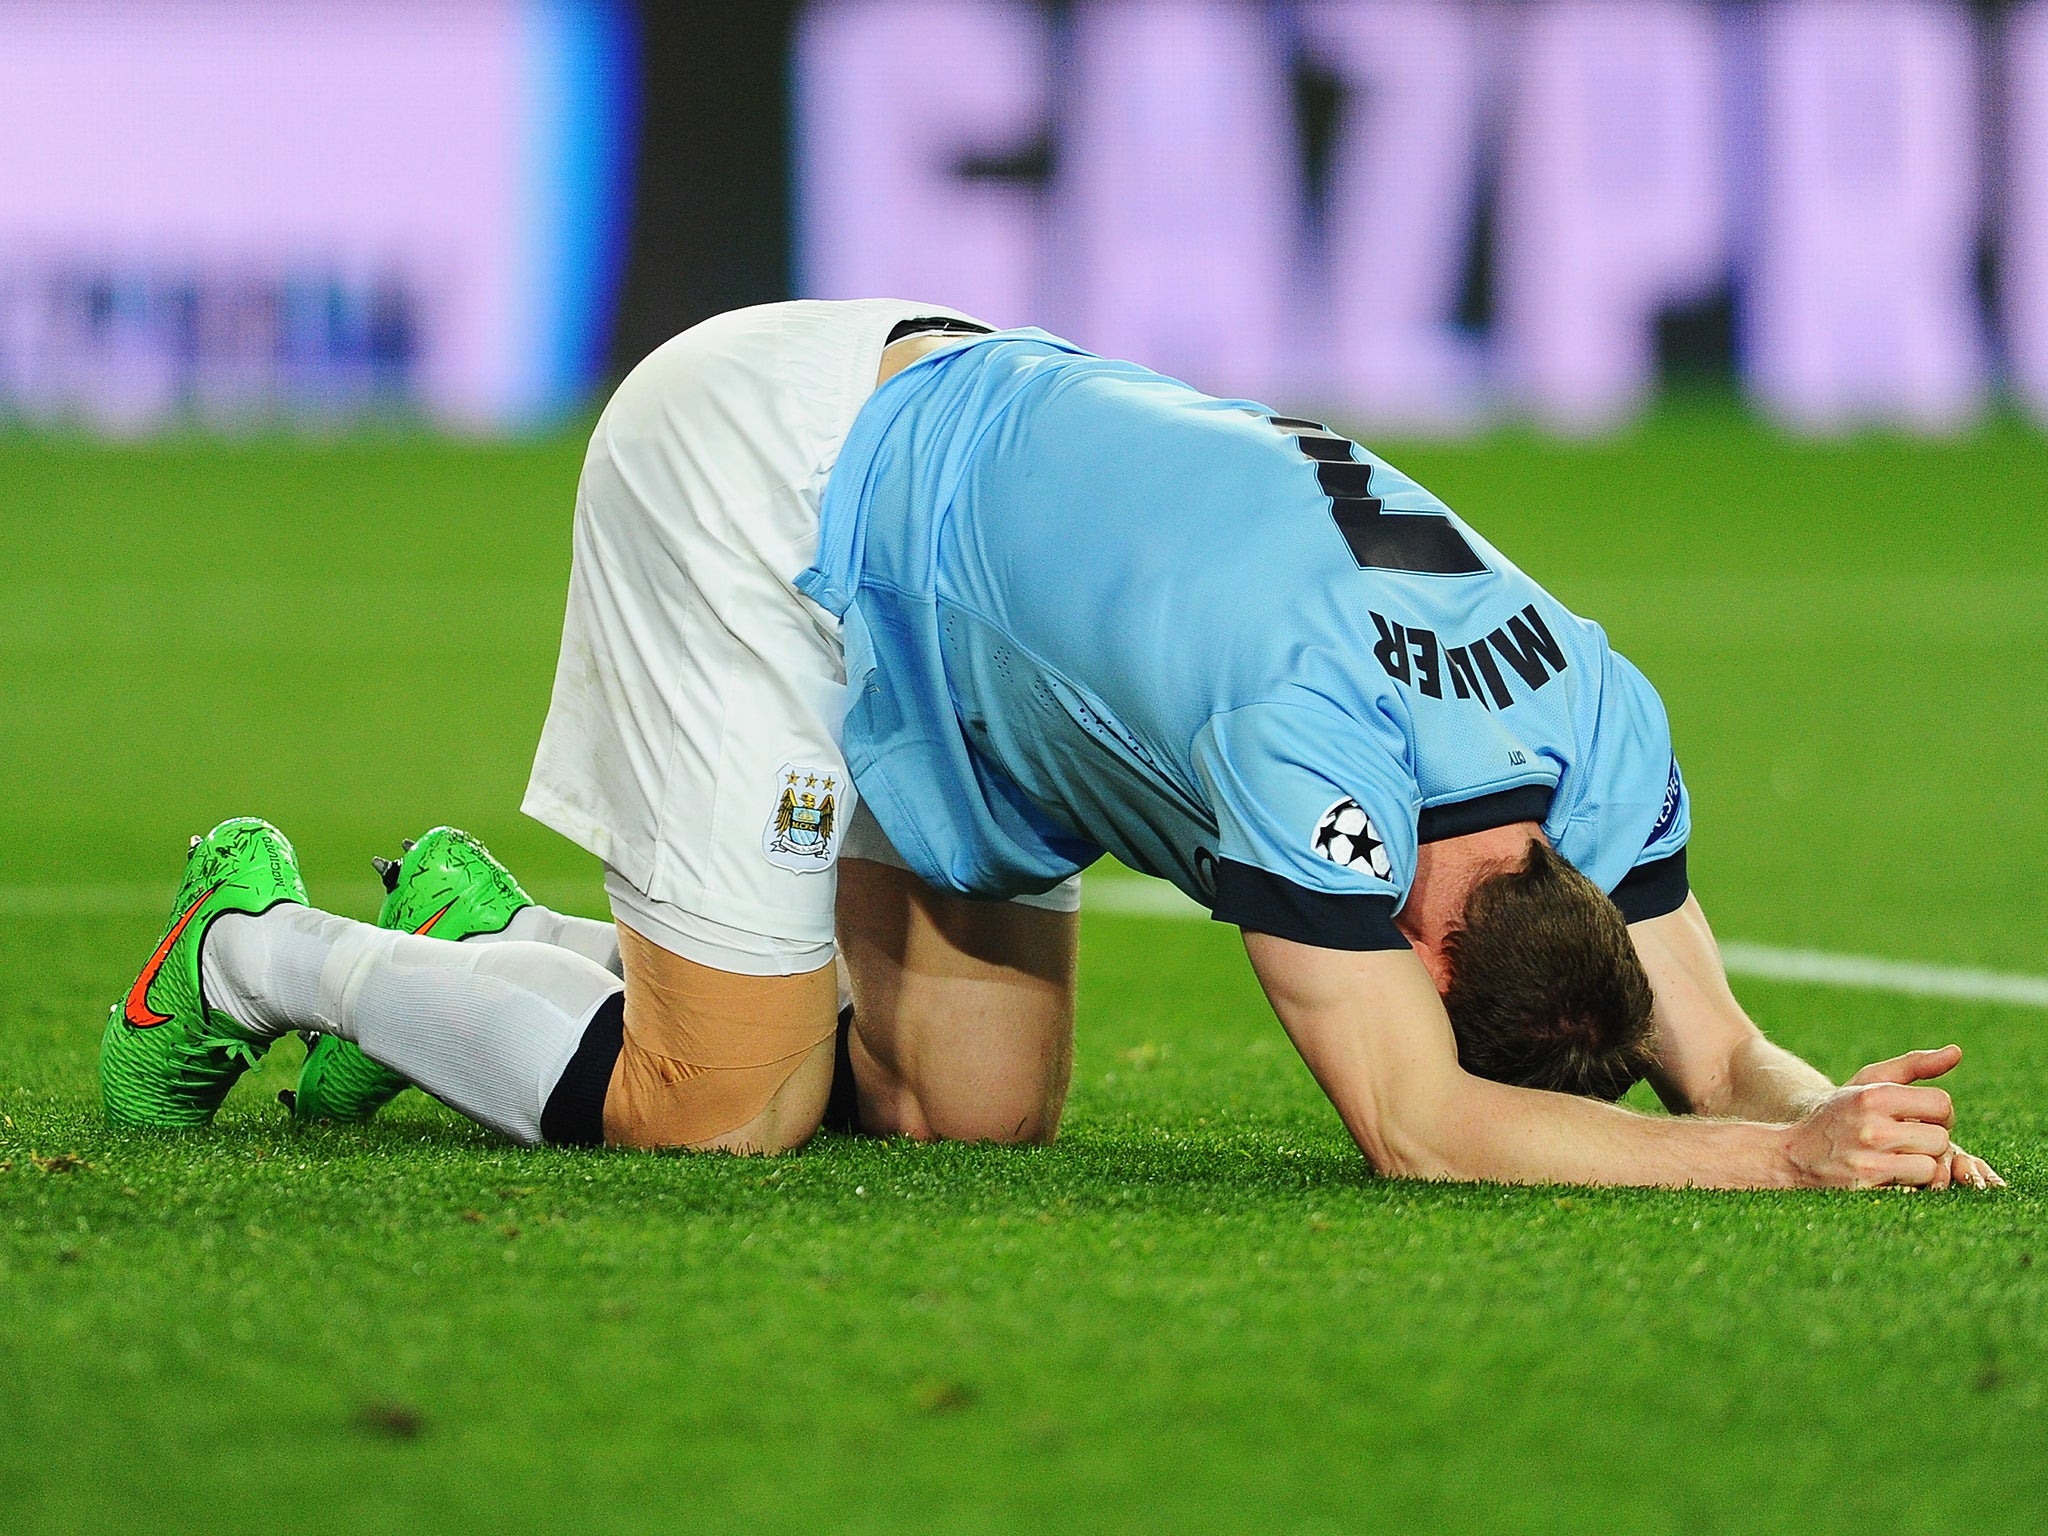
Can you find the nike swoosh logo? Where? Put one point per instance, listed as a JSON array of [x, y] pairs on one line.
[[137, 1010], [423, 927]]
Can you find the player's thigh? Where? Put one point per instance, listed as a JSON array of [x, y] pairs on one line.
[[692, 739], [714, 1059], [963, 1010]]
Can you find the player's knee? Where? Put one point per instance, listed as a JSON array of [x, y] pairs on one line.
[[1022, 1120], [661, 1101], [789, 1118], [1007, 1115], [888, 1103], [711, 1060], [1028, 1127], [904, 1115]]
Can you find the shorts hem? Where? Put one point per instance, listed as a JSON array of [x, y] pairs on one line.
[[727, 946]]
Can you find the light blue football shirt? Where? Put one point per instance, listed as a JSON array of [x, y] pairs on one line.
[[1087, 607]]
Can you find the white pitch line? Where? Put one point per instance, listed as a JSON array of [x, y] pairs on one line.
[[1766, 962], [1155, 898], [1769, 963]]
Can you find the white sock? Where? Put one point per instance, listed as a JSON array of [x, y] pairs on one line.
[[485, 1028], [537, 925]]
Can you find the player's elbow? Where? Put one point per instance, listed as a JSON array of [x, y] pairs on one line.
[[1419, 1162], [1437, 1128], [1406, 1146]]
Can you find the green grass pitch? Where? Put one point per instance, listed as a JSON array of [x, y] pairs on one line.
[[1199, 1311]]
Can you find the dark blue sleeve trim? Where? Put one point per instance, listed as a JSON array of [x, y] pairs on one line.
[[1263, 902], [1653, 889], [1502, 808]]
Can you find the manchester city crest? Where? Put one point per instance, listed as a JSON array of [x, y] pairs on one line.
[[811, 806]]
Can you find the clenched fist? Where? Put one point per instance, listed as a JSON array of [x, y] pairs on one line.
[[1883, 1129]]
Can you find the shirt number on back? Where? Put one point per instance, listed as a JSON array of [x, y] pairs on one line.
[[1426, 543]]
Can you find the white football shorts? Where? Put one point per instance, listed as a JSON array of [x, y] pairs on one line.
[[692, 742]]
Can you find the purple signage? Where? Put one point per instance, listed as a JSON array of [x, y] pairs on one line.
[[1862, 303], [305, 207], [1140, 176]]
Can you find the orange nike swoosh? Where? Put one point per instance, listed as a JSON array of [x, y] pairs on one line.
[[423, 927], [137, 1010]]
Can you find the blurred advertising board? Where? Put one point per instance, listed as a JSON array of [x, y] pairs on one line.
[[1427, 214], [236, 211]]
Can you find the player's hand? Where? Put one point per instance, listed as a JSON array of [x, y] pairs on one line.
[[1957, 1166], [1913, 1067], [1881, 1129], [1968, 1170]]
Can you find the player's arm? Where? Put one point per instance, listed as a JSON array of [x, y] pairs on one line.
[[1713, 1060], [1372, 1029]]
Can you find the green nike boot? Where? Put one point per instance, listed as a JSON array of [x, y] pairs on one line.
[[166, 1058], [447, 885]]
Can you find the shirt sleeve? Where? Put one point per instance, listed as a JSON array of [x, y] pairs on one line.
[[1315, 825], [1658, 884], [1623, 817]]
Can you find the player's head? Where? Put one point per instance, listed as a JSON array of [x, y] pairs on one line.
[[1545, 988]]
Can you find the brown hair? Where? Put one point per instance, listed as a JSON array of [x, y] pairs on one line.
[[1546, 988]]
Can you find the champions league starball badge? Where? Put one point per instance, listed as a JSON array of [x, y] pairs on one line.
[[1347, 836], [811, 807]]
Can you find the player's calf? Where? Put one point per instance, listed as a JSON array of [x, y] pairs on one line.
[[534, 1040], [446, 884], [449, 886]]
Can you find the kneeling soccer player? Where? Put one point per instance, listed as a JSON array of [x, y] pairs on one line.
[[884, 624]]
